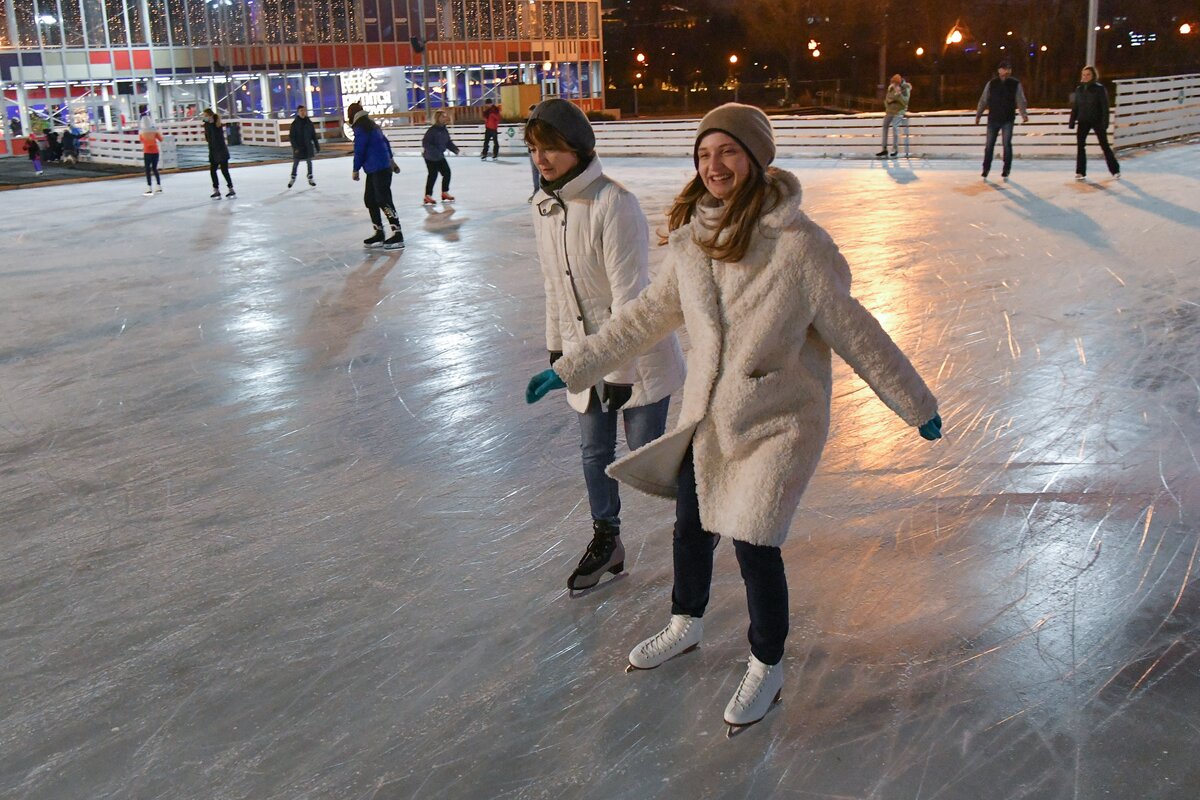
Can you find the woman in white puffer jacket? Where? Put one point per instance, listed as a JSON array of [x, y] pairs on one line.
[[592, 242]]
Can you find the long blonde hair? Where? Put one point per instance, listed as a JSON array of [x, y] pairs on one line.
[[756, 197]]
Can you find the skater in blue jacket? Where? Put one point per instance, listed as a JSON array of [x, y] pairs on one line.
[[373, 155]]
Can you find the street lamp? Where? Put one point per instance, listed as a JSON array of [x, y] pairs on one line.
[[640, 58], [733, 60]]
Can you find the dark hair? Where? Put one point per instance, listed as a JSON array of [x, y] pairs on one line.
[[301, 106], [1004, 65], [544, 135], [216, 117]]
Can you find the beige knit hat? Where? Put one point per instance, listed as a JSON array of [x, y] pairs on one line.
[[747, 124]]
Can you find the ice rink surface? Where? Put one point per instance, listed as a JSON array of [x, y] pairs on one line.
[[277, 523]]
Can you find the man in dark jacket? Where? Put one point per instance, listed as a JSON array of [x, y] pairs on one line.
[[1003, 98], [1089, 109], [303, 138]]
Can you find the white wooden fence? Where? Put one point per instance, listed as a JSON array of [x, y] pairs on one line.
[[1147, 110], [126, 148], [1157, 109]]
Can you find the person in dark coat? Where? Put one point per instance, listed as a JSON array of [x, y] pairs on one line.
[[303, 138], [35, 153], [1089, 111], [1003, 98], [373, 155], [218, 153], [434, 145]]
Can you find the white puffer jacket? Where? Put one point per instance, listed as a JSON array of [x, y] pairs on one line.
[[592, 242]]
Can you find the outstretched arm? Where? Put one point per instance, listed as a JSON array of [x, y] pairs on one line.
[[856, 336]]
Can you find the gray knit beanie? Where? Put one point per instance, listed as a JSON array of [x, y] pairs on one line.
[[570, 121], [747, 124]]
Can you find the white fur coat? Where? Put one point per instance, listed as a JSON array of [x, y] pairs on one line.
[[756, 399]]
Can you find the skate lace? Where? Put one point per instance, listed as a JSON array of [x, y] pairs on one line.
[[664, 640], [749, 688]]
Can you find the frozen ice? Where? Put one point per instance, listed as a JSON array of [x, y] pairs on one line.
[[277, 522]]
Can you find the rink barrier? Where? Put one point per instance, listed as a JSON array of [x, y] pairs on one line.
[[936, 134], [1152, 110], [126, 148]]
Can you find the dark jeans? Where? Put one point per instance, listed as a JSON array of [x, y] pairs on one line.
[[598, 443], [296, 159], [224, 167], [151, 162], [761, 566], [377, 197], [435, 167], [1006, 130], [1081, 133], [494, 138]]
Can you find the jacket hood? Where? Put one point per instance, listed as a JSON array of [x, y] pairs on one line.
[[779, 217]]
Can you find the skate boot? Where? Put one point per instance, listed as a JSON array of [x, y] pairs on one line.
[[604, 554], [375, 240], [158, 189], [447, 197], [682, 635], [311, 182], [149, 190], [394, 242], [216, 195], [759, 690], [231, 192], [291, 181], [428, 201]]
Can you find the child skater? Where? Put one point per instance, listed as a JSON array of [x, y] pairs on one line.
[[150, 137], [35, 153], [765, 295]]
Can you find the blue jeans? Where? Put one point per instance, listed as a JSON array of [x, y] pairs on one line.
[[994, 129], [761, 566], [893, 121], [598, 432]]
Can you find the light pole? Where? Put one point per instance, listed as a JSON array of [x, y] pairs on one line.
[[733, 60], [1093, 16], [223, 29], [640, 58], [419, 41]]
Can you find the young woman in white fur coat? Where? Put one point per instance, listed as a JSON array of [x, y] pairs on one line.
[[765, 295]]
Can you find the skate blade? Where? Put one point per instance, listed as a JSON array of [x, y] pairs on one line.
[[631, 668], [735, 728], [575, 594]]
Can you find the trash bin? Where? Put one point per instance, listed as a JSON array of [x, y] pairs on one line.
[[233, 133]]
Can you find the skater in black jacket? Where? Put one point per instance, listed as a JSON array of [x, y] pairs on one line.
[[1089, 110], [218, 153], [303, 138], [1002, 98]]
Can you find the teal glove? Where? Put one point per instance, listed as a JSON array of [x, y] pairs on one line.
[[933, 429], [542, 384]]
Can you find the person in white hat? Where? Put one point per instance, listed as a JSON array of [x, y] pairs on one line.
[[765, 295]]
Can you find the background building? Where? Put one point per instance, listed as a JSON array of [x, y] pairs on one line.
[[105, 62]]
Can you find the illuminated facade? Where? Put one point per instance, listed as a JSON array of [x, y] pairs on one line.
[[105, 61]]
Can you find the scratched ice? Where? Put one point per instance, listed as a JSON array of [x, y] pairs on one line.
[[277, 523]]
